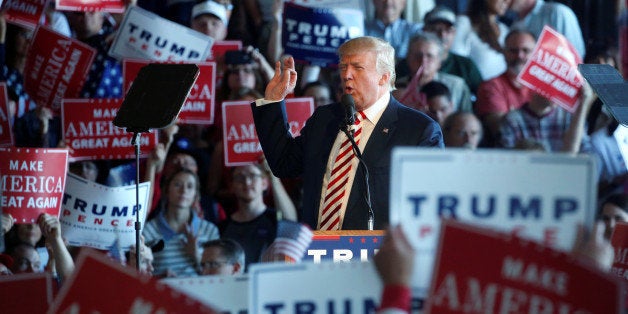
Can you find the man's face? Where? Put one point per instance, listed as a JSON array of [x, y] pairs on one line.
[[445, 31], [249, 183], [86, 24], [466, 132], [361, 79], [426, 54], [389, 10], [29, 233], [611, 215], [213, 263], [210, 25], [320, 94], [241, 75], [518, 49], [26, 260], [439, 108]]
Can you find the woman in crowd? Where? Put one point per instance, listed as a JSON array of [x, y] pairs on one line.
[[179, 227], [480, 36], [614, 209]]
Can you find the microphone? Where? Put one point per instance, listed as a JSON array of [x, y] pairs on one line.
[[349, 105], [347, 127]]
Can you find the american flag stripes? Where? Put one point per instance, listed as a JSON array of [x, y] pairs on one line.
[[292, 241]]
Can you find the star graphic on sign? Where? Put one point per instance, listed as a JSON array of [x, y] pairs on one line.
[[158, 53], [144, 46], [363, 240], [350, 240], [132, 39], [374, 240]]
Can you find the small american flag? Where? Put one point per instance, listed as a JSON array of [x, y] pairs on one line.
[[292, 241]]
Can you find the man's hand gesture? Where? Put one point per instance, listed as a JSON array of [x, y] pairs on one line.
[[283, 82]]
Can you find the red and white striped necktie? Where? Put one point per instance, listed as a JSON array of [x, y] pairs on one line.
[[338, 179]]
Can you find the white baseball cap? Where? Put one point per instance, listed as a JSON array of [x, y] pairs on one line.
[[213, 8]]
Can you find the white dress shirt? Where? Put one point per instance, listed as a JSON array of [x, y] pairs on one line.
[[373, 113]]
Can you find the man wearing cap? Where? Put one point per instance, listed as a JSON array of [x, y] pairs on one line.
[[389, 25], [210, 18], [441, 21]]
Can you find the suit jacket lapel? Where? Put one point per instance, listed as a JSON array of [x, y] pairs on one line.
[[382, 132]]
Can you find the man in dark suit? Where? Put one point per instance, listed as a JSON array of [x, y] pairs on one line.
[[367, 72]]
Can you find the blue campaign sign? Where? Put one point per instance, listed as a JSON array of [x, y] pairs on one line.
[[344, 246], [313, 35]]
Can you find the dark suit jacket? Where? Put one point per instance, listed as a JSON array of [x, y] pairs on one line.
[[307, 154]]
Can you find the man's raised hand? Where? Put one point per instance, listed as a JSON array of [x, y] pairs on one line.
[[283, 82]]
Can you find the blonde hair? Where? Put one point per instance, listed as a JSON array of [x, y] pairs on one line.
[[385, 54]]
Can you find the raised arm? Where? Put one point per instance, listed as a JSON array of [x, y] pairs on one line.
[[51, 229], [283, 202], [573, 137]]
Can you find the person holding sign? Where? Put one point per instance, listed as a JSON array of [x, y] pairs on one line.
[[545, 122], [179, 227], [501, 94], [367, 72], [14, 42], [394, 263], [62, 260], [105, 76]]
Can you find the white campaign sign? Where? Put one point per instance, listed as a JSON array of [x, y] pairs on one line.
[[538, 196], [95, 215], [314, 288], [227, 294], [147, 36]]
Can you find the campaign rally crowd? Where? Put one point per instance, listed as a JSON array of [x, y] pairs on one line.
[[466, 75]]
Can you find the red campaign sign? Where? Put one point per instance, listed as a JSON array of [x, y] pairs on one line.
[[219, 48], [26, 13], [484, 271], [199, 105], [552, 70], [89, 131], [6, 134], [26, 293], [33, 181], [56, 68], [101, 285], [111, 6], [241, 145]]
